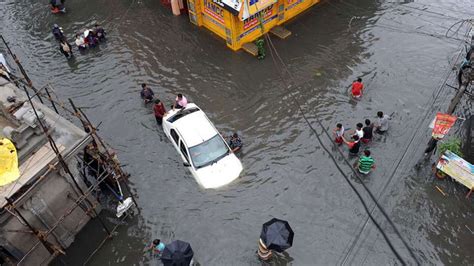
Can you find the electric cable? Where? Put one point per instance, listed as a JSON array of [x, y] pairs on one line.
[[434, 96], [393, 27], [272, 51]]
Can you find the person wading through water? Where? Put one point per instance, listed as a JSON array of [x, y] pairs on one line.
[[235, 143], [357, 88], [338, 133], [368, 132], [353, 145], [155, 248], [146, 93], [159, 110], [365, 163], [382, 123], [58, 32], [65, 48]]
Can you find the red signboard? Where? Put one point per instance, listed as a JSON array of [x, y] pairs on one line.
[[442, 125], [253, 20], [214, 11]]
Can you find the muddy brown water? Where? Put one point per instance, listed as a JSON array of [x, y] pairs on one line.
[[399, 49]]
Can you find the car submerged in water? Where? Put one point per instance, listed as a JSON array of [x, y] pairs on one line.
[[202, 148]]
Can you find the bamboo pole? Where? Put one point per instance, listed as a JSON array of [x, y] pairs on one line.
[[61, 160], [83, 197], [52, 249]]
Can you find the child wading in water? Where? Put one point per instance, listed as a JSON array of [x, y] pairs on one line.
[[338, 133]]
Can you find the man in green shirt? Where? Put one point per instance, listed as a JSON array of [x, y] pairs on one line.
[[365, 163]]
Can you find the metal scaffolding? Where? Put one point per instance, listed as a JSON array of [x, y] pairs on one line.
[[108, 167]]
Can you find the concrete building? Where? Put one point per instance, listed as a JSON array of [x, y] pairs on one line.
[[44, 198]]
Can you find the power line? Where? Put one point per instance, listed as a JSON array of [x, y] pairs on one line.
[[272, 51], [397, 28], [435, 96], [432, 101]]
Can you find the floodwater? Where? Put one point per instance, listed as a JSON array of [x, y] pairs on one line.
[[398, 47]]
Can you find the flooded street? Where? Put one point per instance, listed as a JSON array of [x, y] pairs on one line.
[[398, 47]]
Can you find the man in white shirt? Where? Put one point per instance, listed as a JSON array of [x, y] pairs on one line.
[[382, 123]]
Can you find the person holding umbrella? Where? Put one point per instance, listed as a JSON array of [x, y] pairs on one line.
[[276, 235], [177, 253], [263, 252]]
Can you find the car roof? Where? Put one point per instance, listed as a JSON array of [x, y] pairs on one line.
[[195, 128]]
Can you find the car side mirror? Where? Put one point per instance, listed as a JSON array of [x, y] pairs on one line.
[[185, 164]]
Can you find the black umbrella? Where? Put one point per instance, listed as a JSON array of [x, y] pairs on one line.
[[277, 235], [177, 253]]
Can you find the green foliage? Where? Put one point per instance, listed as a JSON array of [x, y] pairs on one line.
[[452, 144], [261, 48]]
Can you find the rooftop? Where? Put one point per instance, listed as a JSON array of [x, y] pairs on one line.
[[19, 124]]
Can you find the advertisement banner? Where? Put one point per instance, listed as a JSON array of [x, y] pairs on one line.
[[457, 168], [252, 7], [253, 20], [214, 11], [443, 123]]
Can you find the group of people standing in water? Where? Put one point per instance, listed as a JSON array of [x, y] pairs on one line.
[[159, 109], [89, 39], [180, 102], [363, 134]]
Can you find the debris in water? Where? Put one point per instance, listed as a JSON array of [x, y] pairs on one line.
[[440, 190]]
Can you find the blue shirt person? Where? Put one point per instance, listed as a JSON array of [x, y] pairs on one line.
[[155, 248]]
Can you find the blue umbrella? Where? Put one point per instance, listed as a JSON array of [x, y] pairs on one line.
[[177, 253], [277, 235]]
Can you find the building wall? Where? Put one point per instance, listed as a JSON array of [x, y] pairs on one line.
[[235, 32]]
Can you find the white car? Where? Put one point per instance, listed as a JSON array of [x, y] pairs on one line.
[[202, 148]]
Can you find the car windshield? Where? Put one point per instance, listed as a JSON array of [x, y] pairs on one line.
[[182, 113], [208, 152]]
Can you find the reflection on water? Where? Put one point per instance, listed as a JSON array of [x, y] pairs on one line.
[[397, 48]]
